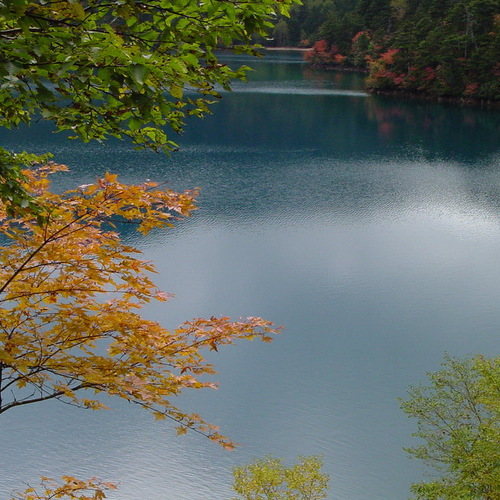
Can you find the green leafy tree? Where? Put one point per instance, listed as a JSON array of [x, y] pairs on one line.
[[399, 8], [281, 34], [13, 192], [306, 19], [335, 31], [123, 69], [459, 421], [269, 479], [375, 14]]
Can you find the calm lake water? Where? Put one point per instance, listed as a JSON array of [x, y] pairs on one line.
[[369, 227]]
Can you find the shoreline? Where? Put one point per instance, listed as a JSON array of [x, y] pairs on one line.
[[461, 101], [458, 100], [294, 49], [414, 95], [345, 69]]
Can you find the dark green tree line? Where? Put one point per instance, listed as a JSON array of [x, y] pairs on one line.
[[442, 48]]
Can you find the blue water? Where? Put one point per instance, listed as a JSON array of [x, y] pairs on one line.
[[369, 227]]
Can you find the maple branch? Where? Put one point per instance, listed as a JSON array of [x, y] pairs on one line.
[[35, 252], [56, 291], [54, 395], [1, 384]]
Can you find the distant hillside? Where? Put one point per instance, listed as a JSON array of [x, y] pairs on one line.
[[441, 48]]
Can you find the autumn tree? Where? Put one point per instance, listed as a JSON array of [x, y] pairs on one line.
[[458, 417], [69, 488], [127, 69], [269, 479], [70, 292]]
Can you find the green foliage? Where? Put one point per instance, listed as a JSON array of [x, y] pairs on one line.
[[338, 30], [459, 421], [376, 15], [124, 69], [14, 195], [306, 19], [281, 34], [269, 479]]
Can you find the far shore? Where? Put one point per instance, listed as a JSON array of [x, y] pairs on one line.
[[460, 100], [297, 49]]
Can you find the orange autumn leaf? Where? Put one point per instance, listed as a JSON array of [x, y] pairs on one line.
[[70, 299], [69, 488]]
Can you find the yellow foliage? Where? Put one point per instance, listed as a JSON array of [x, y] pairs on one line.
[[70, 489], [69, 295]]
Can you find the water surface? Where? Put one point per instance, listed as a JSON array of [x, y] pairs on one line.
[[369, 227]]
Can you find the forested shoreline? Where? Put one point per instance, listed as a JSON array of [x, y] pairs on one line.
[[439, 49]]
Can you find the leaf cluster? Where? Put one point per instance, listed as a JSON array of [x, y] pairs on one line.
[[123, 69], [70, 489], [458, 417], [269, 479], [70, 292], [15, 197]]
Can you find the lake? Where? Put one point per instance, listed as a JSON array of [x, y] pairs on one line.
[[368, 226]]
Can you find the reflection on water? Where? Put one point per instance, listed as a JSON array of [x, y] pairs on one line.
[[368, 226], [294, 89]]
